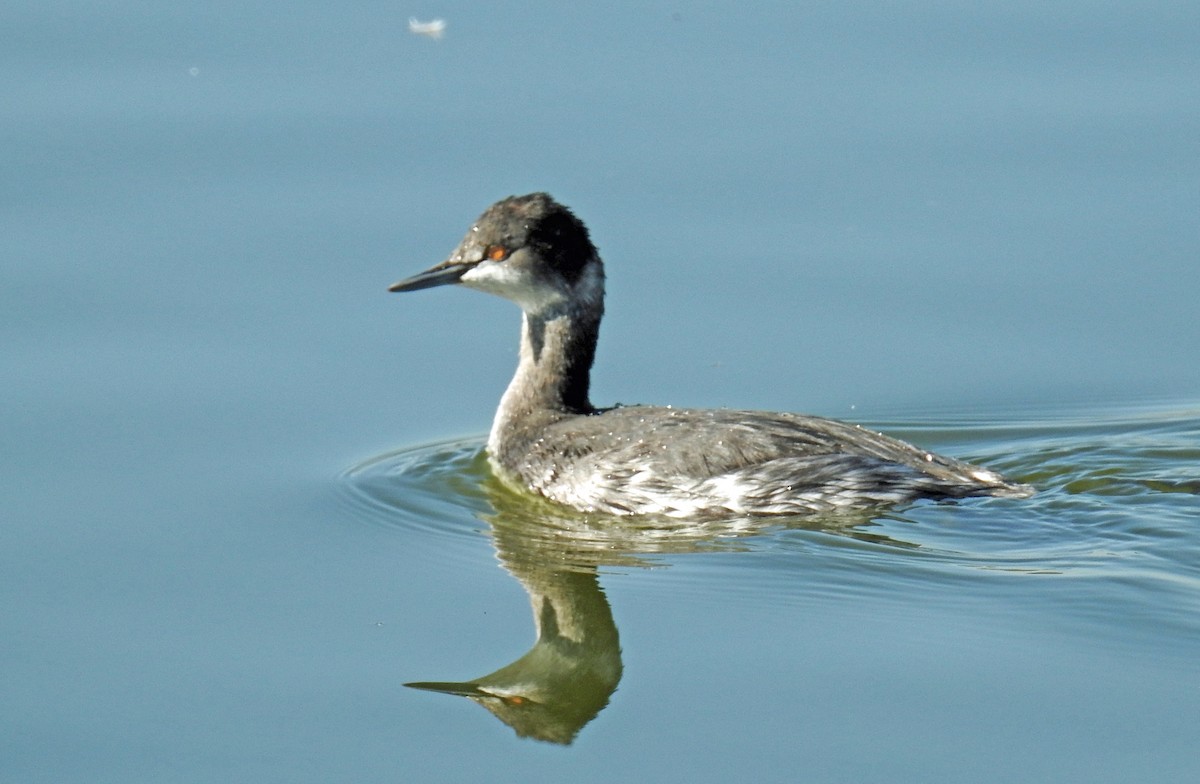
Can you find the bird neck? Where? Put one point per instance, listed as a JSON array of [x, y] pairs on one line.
[[553, 374]]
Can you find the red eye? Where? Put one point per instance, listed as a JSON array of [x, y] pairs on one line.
[[497, 252]]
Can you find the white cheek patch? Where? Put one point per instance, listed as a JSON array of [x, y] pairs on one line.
[[489, 276], [504, 280]]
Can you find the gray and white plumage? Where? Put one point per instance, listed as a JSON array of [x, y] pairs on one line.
[[547, 437]]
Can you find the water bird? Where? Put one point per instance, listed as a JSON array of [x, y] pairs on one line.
[[548, 438]]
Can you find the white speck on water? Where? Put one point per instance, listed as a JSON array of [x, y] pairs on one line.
[[434, 28]]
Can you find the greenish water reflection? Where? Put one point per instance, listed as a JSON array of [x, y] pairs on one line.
[[1104, 553], [568, 676], [573, 668]]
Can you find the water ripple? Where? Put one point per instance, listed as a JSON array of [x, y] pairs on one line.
[[1116, 513]]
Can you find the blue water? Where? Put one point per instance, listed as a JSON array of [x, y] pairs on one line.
[[993, 638], [243, 503]]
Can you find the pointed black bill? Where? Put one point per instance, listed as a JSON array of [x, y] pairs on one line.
[[449, 687], [441, 275]]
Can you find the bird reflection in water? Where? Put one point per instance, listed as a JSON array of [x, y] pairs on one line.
[[568, 675], [573, 668]]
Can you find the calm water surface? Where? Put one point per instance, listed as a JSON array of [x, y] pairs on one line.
[[1105, 558], [1097, 574], [223, 551]]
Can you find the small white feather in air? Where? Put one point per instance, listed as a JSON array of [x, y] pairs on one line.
[[433, 28]]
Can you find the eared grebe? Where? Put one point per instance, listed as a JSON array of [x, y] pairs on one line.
[[548, 437]]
